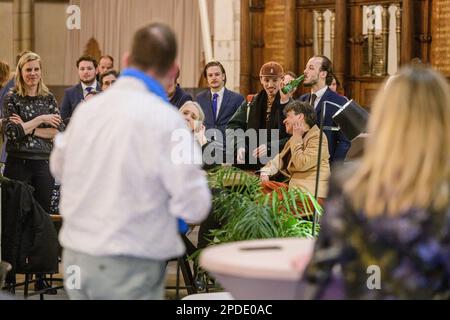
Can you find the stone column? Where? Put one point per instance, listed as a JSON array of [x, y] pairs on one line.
[[23, 21], [226, 39]]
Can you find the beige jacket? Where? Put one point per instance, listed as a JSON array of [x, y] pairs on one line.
[[302, 166]]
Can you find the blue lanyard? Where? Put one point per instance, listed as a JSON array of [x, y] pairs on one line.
[[151, 84]]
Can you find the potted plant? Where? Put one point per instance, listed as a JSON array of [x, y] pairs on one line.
[[245, 212]]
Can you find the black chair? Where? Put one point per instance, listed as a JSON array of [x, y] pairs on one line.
[[36, 278], [185, 268]]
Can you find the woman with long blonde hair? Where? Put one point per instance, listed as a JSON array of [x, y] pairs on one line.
[[31, 122], [386, 228]]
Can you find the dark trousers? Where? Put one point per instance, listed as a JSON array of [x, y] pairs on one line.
[[35, 173]]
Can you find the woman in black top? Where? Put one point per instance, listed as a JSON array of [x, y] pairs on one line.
[[31, 122]]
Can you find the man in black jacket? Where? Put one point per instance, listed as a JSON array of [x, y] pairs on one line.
[[262, 115]]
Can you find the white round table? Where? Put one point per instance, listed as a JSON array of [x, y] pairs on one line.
[[259, 269]]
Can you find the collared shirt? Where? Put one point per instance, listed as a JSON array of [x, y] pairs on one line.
[[122, 184], [84, 86], [219, 99], [319, 95]]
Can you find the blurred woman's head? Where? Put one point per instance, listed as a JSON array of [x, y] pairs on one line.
[[193, 114], [29, 75], [335, 84], [407, 159], [4, 73]]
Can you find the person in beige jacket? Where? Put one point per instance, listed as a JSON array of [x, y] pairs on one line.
[[298, 159]]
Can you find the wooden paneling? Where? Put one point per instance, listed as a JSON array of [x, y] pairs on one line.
[[440, 28], [423, 30], [245, 50], [257, 42], [408, 50], [363, 90], [279, 33], [425, 33], [339, 59]]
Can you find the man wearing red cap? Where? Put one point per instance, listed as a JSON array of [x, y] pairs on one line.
[[264, 112]]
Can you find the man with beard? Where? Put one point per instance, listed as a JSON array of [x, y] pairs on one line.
[[318, 76], [87, 71], [259, 119]]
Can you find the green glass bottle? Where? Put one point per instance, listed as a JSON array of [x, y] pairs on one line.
[[293, 84]]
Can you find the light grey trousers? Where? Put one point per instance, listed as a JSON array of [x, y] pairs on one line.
[[89, 277]]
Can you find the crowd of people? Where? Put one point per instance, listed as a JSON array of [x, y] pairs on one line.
[[109, 144]]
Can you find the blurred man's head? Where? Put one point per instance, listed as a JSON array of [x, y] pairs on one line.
[[173, 85], [87, 69], [154, 51], [105, 63]]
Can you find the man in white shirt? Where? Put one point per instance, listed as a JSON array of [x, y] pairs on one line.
[[121, 189]]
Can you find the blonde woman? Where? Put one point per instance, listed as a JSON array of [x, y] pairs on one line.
[[385, 233], [212, 151], [5, 77], [32, 121], [4, 73]]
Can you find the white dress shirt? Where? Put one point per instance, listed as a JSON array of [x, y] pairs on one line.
[[319, 94], [219, 99], [121, 192]]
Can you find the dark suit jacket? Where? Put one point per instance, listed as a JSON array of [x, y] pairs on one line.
[[3, 91], [230, 103], [72, 97], [180, 97], [29, 239], [338, 144]]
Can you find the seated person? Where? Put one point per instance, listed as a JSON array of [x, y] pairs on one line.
[[194, 116], [250, 131], [298, 159], [385, 231], [108, 78], [177, 96]]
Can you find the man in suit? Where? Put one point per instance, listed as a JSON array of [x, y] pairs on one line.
[[87, 71], [318, 76], [218, 103]]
